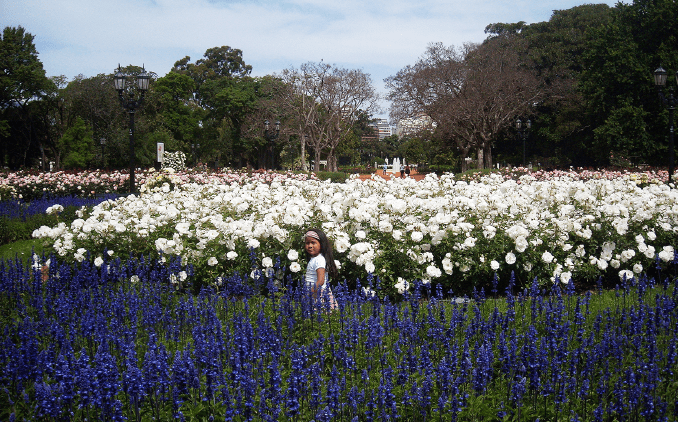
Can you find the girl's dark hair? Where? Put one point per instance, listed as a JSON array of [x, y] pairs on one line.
[[326, 250]]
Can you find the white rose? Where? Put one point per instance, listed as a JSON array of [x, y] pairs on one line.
[[295, 267], [292, 255], [433, 271], [369, 267], [401, 286], [565, 277], [625, 274], [547, 257], [521, 244], [212, 261]]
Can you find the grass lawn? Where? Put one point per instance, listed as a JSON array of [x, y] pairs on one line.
[[22, 248]]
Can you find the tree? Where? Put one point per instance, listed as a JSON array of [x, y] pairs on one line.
[[23, 85], [178, 113], [621, 102], [326, 101], [555, 49], [76, 145], [226, 94], [471, 93], [270, 93]]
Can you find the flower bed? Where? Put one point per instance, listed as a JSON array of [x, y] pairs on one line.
[[113, 341], [31, 185], [442, 230]]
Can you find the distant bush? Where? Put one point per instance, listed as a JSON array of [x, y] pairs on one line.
[[336, 177], [440, 168]]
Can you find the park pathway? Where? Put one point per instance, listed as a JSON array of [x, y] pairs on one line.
[[390, 175]]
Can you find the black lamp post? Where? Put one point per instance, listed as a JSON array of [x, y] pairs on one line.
[[660, 76], [271, 138], [102, 142], [130, 104], [523, 133]]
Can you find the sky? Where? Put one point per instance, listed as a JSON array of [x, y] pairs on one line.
[[379, 37]]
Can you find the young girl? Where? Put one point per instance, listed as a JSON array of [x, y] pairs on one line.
[[320, 266]]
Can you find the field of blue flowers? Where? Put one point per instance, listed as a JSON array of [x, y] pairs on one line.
[[117, 342]]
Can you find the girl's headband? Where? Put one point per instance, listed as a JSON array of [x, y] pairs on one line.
[[312, 234]]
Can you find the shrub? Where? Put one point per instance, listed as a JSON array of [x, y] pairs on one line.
[[335, 177]]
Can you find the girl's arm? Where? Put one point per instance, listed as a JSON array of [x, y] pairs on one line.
[[320, 272]]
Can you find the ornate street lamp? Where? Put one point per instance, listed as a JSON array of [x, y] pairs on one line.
[[271, 138], [523, 133], [131, 105], [660, 76]]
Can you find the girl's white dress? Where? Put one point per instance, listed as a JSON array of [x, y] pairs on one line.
[[311, 278]]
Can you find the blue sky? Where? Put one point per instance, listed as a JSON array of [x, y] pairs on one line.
[[380, 37]]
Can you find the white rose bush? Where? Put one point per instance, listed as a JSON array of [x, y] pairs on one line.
[[458, 234]]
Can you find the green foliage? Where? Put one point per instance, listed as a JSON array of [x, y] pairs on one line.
[[22, 77], [76, 145], [621, 102], [178, 114], [414, 150], [12, 230], [555, 50], [23, 87], [335, 177], [22, 249], [625, 130]]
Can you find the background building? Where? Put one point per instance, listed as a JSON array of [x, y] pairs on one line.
[[414, 125], [382, 128]]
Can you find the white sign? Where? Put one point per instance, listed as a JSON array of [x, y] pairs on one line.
[[161, 152]]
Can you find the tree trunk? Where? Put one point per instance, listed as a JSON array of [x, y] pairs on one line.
[[488, 155], [304, 165], [481, 158], [332, 161], [316, 165]]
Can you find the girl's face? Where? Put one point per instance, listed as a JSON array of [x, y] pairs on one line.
[[312, 246]]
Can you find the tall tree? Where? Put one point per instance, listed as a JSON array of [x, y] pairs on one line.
[[326, 100], [178, 114], [622, 104], [76, 145], [471, 93], [23, 85], [555, 49], [226, 93]]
